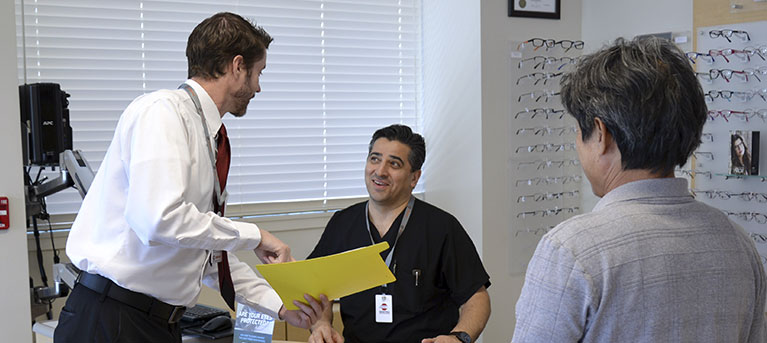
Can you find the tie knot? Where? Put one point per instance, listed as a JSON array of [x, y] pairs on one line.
[[221, 135]]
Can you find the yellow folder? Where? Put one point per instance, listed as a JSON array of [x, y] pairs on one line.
[[336, 275]]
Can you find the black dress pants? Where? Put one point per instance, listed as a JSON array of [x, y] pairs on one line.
[[88, 317]]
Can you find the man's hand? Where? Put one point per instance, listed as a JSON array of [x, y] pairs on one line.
[[308, 315], [323, 332], [272, 249], [442, 339]]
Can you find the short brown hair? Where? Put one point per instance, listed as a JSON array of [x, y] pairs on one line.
[[217, 40]]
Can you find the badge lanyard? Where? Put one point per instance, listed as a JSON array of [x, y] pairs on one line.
[[215, 256], [402, 225], [384, 304], [220, 198]]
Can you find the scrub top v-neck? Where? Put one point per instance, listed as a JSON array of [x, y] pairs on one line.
[[435, 244]]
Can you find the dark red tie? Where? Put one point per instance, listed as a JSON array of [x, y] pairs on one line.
[[223, 159]]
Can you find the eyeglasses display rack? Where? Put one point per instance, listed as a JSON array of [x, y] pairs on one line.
[[543, 168], [729, 170]]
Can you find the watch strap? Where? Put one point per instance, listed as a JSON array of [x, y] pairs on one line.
[[462, 336]]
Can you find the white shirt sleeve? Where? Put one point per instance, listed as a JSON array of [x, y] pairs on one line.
[[146, 222], [160, 168], [249, 288]]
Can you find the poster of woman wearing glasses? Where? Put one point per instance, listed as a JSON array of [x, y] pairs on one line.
[[744, 152]]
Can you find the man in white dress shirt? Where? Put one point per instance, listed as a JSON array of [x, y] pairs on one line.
[[149, 232]]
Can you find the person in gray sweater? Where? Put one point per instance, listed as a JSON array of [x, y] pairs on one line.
[[649, 263]]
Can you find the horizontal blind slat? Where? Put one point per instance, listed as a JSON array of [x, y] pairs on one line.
[[337, 71]]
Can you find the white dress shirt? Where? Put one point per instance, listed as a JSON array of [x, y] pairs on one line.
[[147, 222]]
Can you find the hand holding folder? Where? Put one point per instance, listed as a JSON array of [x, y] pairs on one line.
[[336, 275]]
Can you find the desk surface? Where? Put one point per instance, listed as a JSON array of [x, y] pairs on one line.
[[188, 339], [191, 339], [46, 329]]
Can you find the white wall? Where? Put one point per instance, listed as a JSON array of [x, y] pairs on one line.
[[453, 110], [605, 20], [466, 102], [497, 30], [16, 321]]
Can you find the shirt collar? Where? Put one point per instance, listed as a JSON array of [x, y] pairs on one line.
[[209, 108], [649, 188]]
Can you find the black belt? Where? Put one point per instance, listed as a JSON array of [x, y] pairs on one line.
[[143, 302]]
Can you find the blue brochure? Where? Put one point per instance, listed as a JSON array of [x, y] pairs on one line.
[[252, 326]]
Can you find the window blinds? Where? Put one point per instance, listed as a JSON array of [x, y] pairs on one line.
[[336, 71]]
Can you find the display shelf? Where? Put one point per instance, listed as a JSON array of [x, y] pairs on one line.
[[738, 176]]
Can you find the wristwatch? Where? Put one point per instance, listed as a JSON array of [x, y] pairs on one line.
[[462, 336]]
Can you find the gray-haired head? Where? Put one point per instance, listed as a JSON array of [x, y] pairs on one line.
[[648, 96]]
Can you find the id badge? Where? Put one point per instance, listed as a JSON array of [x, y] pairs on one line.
[[216, 256], [384, 308]]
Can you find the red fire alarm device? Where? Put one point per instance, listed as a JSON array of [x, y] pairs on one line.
[[5, 220]]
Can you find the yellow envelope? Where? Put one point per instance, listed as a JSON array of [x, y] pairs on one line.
[[336, 275]]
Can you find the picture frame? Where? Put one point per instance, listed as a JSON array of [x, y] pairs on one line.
[[546, 9]]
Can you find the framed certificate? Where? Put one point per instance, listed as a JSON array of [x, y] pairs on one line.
[[548, 9]]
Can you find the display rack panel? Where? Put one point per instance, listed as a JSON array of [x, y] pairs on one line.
[[731, 62], [543, 168]]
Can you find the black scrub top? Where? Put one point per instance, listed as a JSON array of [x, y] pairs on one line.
[[433, 242]]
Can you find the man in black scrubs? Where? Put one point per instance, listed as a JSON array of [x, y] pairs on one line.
[[441, 290]]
